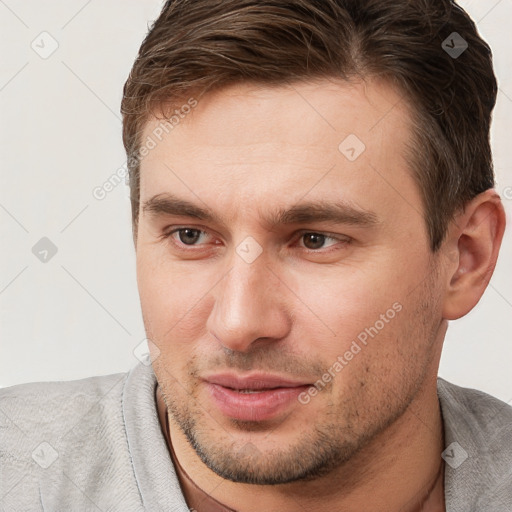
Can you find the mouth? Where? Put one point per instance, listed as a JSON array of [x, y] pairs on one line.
[[253, 397]]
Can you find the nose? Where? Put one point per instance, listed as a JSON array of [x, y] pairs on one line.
[[249, 306]]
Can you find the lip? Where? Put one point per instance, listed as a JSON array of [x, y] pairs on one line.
[[253, 381], [274, 394]]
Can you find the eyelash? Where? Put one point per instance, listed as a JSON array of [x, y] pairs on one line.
[[188, 248]]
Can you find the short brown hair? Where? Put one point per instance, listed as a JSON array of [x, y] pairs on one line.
[[196, 46]]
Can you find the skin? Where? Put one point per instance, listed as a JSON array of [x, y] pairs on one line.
[[372, 438]]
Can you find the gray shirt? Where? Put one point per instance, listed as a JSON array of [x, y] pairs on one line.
[[96, 445]]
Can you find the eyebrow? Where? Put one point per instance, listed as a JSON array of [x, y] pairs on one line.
[[340, 212]]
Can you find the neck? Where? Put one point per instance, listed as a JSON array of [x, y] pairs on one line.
[[399, 470]]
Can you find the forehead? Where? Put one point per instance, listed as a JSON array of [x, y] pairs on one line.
[[248, 145], [312, 108]]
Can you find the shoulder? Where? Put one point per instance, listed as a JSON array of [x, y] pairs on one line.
[[478, 454], [52, 431], [38, 390], [476, 403], [471, 414], [58, 405]]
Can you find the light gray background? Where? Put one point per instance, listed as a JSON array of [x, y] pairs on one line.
[[78, 314]]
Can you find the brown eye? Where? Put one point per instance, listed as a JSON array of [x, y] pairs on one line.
[[189, 236], [313, 240]]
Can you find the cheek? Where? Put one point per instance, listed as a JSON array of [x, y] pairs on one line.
[[174, 302], [361, 323], [343, 303]]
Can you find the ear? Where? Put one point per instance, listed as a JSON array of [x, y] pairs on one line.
[[473, 243]]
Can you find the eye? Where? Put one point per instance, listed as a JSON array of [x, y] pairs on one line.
[[186, 236], [315, 241]]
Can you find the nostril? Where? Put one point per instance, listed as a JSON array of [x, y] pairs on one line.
[[226, 350]]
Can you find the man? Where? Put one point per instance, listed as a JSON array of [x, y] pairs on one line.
[[312, 196]]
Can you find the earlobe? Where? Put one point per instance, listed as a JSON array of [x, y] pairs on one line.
[[476, 236]]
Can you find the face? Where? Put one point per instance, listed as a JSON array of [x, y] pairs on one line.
[[285, 275]]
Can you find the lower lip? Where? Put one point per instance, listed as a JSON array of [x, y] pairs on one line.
[[259, 406]]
